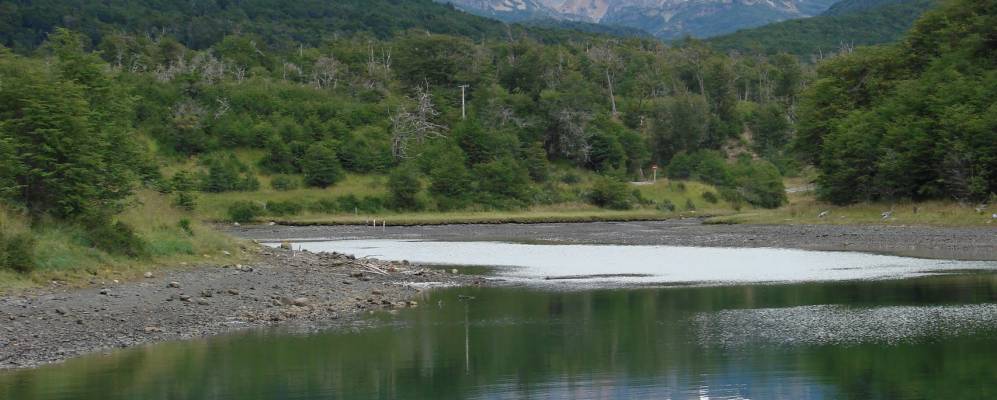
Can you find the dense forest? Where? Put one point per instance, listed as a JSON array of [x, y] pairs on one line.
[[98, 99], [913, 120], [844, 26]]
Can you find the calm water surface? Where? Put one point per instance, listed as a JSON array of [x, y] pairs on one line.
[[928, 335]]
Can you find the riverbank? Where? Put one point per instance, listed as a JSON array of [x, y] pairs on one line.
[[298, 290], [962, 243]]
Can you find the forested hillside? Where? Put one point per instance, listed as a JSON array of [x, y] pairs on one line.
[[124, 99], [278, 24], [915, 120], [842, 28]]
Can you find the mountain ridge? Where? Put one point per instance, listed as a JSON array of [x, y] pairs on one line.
[[665, 19]]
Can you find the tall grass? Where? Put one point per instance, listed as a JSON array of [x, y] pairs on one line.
[[62, 252]]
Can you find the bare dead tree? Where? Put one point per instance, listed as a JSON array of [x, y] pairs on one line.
[[610, 62], [572, 139], [223, 107], [326, 72], [416, 126]]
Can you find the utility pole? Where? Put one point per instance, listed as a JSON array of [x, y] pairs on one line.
[[463, 110]]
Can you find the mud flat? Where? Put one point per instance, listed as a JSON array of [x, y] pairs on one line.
[[294, 290], [913, 241]]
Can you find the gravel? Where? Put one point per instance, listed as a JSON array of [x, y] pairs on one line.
[[298, 290]]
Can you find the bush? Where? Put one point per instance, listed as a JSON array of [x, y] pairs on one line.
[[689, 205], [571, 178], [503, 183], [227, 174], [244, 211], [117, 238], [16, 252], [185, 226], [710, 197], [284, 183], [282, 208], [666, 205], [185, 201], [404, 187], [759, 183], [321, 165], [612, 194]]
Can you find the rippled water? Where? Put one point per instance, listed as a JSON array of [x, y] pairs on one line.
[[926, 336]]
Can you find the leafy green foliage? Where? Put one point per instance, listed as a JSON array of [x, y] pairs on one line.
[[117, 238], [853, 24], [226, 174], [321, 165], [404, 186], [910, 121], [612, 194], [283, 183], [244, 211], [16, 252], [64, 131]]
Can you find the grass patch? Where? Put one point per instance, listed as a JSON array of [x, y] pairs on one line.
[[62, 252], [805, 209]]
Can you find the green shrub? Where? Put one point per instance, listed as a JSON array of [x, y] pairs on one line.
[[282, 208], [17, 252], [185, 226], [227, 174], [710, 197], [404, 187], [284, 183], [321, 165], [689, 205], [185, 201], [117, 238], [666, 205], [503, 183], [244, 211], [571, 178], [612, 194]]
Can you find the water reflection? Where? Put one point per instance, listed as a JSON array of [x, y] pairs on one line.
[[511, 343]]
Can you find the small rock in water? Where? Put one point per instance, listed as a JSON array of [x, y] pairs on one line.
[[152, 329], [272, 223], [235, 224], [207, 293], [173, 285], [61, 311], [233, 292], [285, 245], [105, 292], [147, 275], [203, 301]]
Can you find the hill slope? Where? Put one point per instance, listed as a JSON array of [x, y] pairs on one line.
[[282, 24], [848, 24]]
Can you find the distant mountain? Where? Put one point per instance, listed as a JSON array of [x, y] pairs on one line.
[[851, 6], [846, 24], [666, 19]]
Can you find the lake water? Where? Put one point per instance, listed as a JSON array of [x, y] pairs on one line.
[[864, 326]]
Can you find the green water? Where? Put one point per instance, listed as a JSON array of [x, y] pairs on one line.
[[511, 343]]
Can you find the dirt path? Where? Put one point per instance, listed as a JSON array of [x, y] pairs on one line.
[[914, 241], [299, 290]]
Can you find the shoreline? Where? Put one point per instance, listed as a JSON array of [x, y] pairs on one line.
[[293, 289], [310, 291]]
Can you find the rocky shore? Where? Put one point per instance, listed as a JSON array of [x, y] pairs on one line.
[[284, 288]]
